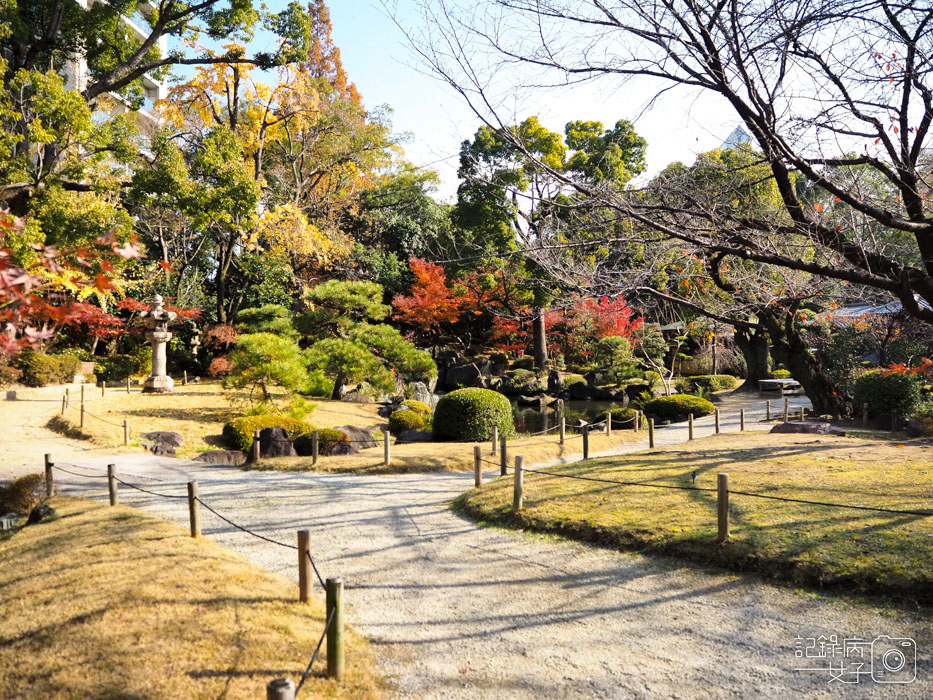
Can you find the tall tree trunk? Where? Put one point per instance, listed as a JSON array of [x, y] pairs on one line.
[[539, 340], [338, 385], [755, 350], [789, 348]]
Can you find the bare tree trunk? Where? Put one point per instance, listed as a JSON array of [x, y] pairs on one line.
[[539, 340], [755, 350]]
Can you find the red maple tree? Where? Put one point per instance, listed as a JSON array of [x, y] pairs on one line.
[[430, 304]]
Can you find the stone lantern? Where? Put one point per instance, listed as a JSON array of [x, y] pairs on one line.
[[157, 319]]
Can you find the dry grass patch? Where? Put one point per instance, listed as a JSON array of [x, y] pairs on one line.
[[448, 456], [197, 411], [111, 603], [849, 549]]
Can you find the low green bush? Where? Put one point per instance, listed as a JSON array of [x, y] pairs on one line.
[[521, 381], [709, 382], [326, 438], [419, 407], [405, 419], [470, 414], [238, 433], [524, 363], [886, 392], [116, 368], [23, 494], [677, 406], [653, 379], [781, 374], [622, 418], [42, 369]]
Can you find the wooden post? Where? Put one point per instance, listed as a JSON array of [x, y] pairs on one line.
[[387, 448], [336, 662], [563, 429], [49, 479], [126, 431], [586, 442], [255, 450], [742, 420], [127, 385], [864, 415], [194, 515], [103, 389], [503, 456], [722, 506], [690, 426], [637, 420], [63, 404], [82, 394], [495, 438], [651, 432], [608, 423], [477, 466], [315, 438], [801, 414], [716, 417], [305, 580], [112, 484], [67, 397], [785, 410], [82, 416], [768, 410], [184, 378], [518, 494], [280, 689]]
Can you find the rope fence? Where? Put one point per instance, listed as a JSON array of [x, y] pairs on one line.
[[333, 587]]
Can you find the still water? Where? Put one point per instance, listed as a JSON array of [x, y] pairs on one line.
[[533, 420]]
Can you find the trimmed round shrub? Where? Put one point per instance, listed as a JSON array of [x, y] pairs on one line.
[[678, 406], [886, 392], [238, 433], [781, 374], [571, 379], [405, 419], [326, 438], [470, 414], [23, 494], [41, 369], [419, 407], [623, 418]]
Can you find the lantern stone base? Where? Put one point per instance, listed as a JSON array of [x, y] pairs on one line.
[[159, 385]]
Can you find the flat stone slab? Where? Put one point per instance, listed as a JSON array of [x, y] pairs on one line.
[[227, 458], [166, 437]]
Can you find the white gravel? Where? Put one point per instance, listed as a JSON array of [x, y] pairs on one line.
[[457, 611]]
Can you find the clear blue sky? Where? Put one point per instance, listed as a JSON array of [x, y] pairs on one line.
[[378, 59]]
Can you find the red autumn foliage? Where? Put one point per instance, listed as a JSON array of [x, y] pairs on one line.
[[94, 321], [924, 369], [220, 366], [431, 304], [220, 337]]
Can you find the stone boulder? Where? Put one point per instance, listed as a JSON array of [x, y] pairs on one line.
[[360, 438], [807, 428], [160, 449], [388, 409], [224, 458], [555, 383], [580, 391], [275, 442], [636, 390], [465, 376], [342, 448], [358, 397], [419, 392], [41, 512], [414, 436], [166, 437], [605, 393]]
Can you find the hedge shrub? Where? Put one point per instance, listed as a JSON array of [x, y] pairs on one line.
[[41, 369], [711, 382], [885, 393], [781, 374], [419, 407], [326, 438], [469, 414], [622, 418], [678, 406], [23, 494], [238, 433], [405, 419], [116, 368]]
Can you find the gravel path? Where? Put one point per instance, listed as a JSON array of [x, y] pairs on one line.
[[458, 611]]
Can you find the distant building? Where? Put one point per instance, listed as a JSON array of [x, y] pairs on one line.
[[76, 72], [738, 137]]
